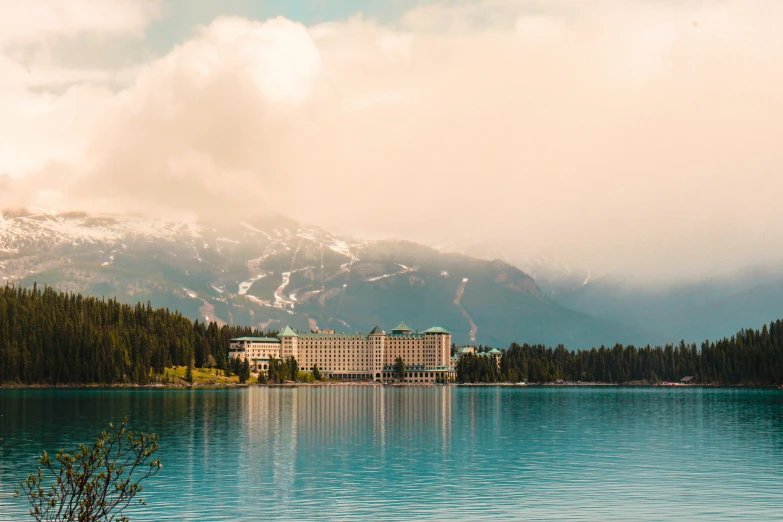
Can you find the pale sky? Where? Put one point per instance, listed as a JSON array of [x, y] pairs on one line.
[[632, 136]]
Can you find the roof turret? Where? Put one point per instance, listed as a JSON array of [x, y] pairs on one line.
[[377, 331], [287, 332], [402, 328], [437, 329]]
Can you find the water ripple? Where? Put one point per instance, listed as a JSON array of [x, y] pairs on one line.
[[426, 453]]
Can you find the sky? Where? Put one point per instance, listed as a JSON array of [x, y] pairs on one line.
[[638, 137]]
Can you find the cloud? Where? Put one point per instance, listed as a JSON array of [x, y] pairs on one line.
[[53, 110], [635, 136], [22, 21]]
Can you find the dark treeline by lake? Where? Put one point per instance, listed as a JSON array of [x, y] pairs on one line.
[[751, 357], [49, 337]]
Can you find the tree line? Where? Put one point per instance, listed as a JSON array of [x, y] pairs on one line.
[[287, 370], [753, 357], [49, 337]]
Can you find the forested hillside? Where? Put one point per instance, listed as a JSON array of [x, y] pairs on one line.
[[49, 337], [753, 357]]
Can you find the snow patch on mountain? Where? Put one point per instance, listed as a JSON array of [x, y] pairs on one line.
[[587, 279], [80, 228], [244, 286], [256, 300], [254, 229], [341, 247], [458, 301], [404, 270]]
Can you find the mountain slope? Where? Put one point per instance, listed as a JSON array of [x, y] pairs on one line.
[[276, 272], [696, 311]]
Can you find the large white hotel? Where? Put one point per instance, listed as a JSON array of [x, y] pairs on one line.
[[427, 354]]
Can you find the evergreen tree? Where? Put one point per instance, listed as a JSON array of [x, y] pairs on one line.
[[293, 368], [273, 369], [244, 375], [48, 337], [399, 368]]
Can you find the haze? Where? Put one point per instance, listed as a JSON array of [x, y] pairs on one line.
[[638, 137]]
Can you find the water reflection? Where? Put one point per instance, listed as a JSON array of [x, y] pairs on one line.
[[429, 452]]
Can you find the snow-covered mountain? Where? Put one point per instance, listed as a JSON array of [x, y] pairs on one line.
[[551, 273], [272, 272]]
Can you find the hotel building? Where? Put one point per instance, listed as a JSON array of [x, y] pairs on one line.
[[427, 354]]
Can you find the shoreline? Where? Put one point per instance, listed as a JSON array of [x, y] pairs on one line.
[[158, 386]]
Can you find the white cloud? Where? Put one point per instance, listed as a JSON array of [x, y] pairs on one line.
[[26, 21], [634, 135]]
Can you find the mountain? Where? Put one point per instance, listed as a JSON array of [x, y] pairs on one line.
[[708, 309], [273, 272]]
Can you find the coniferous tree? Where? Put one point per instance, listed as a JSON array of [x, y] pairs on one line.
[[293, 368], [261, 378], [244, 375], [273, 369], [399, 368], [48, 337]]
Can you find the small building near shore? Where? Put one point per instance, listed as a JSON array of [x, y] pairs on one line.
[[687, 380], [465, 350]]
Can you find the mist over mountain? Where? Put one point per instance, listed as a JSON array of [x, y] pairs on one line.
[[637, 138], [709, 309], [272, 272], [709, 306]]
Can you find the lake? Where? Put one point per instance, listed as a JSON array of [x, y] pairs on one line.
[[444, 453]]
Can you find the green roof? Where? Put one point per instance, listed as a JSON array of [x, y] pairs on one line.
[[402, 328], [258, 339], [338, 336], [408, 335], [437, 329], [377, 331], [287, 332], [495, 351]]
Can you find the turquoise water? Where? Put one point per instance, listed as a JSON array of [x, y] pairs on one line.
[[344, 453]]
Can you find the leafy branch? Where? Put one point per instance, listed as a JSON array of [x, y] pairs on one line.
[[96, 483]]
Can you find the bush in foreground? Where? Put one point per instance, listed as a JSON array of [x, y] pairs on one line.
[[96, 483]]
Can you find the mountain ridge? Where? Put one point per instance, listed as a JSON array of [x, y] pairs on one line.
[[270, 272]]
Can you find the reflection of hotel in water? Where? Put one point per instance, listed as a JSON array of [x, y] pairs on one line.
[[326, 417], [427, 355]]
